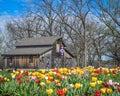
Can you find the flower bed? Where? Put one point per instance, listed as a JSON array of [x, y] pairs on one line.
[[61, 82]]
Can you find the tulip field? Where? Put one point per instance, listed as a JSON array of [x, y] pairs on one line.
[[77, 81]]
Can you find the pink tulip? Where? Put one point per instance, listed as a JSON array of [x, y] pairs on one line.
[[33, 77]]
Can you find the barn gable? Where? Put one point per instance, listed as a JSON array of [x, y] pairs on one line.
[[39, 52]]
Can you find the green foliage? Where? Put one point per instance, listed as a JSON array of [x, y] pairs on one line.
[[12, 87]]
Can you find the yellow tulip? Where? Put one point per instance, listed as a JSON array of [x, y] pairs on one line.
[[80, 71], [33, 73], [103, 90], [17, 72], [65, 70], [42, 76], [57, 81], [38, 76], [73, 71], [90, 68], [61, 70], [43, 71], [106, 71], [108, 75], [92, 84], [13, 74], [99, 82], [5, 79], [94, 74], [77, 85], [8, 80], [42, 84], [94, 79], [48, 81], [50, 73], [109, 91], [113, 74], [49, 91]]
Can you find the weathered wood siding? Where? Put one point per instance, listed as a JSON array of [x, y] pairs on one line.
[[49, 59], [67, 55], [23, 62]]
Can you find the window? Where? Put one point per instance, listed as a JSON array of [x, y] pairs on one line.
[[30, 59], [10, 59]]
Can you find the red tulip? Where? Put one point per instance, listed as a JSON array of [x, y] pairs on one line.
[[100, 70], [1, 80], [38, 81], [19, 77], [26, 72], [118, 88], [97, 93], [19, 81], [106, 84], [56, 70], [61, 92]]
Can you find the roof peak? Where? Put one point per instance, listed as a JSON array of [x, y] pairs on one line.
[[49, 40]]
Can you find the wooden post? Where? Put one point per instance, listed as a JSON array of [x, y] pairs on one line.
[[44, 62], [62, 61], [50, 61], [5, 60], [15, 67], [39, 62]]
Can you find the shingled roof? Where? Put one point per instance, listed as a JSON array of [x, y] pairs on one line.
[[27, 51], [38, 41], [26, 46]]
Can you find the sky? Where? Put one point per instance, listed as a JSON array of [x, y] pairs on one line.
[[12, 7]]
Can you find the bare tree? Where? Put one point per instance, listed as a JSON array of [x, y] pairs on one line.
[[108, 11], [70, 19], [45, 11], [39, 21], [113, 49], [74, 23]]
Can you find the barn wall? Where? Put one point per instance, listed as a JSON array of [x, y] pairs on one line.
[[67, 55], [20, 61], [36, 60], [45, 54], [23, 62]]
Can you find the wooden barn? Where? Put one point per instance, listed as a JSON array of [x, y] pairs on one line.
[[42, 52]]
